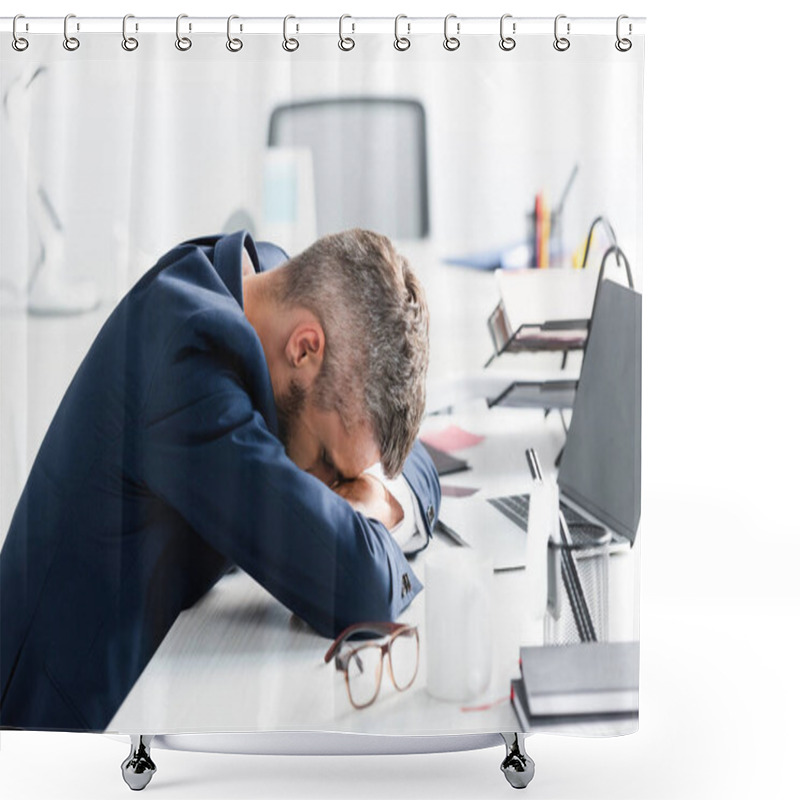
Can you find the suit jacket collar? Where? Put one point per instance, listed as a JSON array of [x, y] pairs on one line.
[[228, 260]]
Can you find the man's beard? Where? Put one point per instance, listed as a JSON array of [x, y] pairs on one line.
[[288, 407]]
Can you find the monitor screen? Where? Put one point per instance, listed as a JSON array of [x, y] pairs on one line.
[[601, 465]]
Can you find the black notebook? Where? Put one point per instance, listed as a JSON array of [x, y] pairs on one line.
[[578, 679], [445, 463]]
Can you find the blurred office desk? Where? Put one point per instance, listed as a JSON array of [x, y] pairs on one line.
[[240, 661]]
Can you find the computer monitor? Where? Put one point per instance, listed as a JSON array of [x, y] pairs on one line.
[[600, 468]]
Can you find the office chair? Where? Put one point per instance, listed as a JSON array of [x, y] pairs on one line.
[[369, 161]]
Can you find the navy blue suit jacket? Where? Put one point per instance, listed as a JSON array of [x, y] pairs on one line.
[[161, 469]]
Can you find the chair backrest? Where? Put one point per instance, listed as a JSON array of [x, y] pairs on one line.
[[369, 161]]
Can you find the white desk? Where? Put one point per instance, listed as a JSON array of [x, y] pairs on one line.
[[239, 661]]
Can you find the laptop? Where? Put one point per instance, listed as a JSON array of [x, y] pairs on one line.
[[599, 477]]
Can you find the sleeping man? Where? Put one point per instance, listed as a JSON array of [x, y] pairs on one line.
[[226, 414]]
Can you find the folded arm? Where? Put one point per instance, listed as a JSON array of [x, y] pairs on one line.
[[372, 498], [238, 490]]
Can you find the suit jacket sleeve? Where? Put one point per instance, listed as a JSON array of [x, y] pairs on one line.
[[208, 453], [420, 473]]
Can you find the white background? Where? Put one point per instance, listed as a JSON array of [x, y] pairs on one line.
[[720, 605]]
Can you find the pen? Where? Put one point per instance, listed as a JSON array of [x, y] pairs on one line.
[[533, 464]]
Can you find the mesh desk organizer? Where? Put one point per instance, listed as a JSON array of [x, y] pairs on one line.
[[562, 335]]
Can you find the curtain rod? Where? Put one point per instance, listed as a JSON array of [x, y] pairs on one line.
[[457, 26]]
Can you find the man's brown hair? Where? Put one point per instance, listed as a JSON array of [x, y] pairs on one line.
[[373, 311]]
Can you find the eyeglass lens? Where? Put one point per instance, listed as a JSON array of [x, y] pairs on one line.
[[403, 655], [364, 669]]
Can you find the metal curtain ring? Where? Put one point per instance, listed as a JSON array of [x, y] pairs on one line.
[[289, 44], [401, 42], [507, 42], [623, 45], [234, 45], [451, 42], [345, 42], [19, 43], [561, 43], [70, 42], [129, 43], [183, 43]]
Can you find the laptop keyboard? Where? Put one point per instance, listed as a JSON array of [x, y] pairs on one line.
[[515, 507]]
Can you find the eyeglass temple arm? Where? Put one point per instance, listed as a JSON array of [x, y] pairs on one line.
[[381, 628]]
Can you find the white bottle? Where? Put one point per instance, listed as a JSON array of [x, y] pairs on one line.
[[542, 525]]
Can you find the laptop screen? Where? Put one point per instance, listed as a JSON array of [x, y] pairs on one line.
[[601, 464]]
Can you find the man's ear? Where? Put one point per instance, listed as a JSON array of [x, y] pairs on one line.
[[305, 348]]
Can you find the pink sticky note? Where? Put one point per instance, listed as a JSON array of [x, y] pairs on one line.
[[457, 491], [452, 438]]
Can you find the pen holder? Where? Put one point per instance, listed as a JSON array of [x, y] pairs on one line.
[[577, 602], [545, 238]]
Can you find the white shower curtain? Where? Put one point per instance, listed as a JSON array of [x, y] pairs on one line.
[[111, 158]]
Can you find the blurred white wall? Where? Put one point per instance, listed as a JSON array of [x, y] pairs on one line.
[[157, 145]]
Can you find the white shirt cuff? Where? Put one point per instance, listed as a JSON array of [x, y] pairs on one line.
[[409, 533]]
